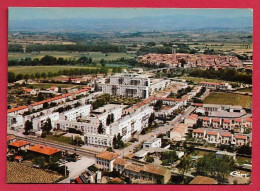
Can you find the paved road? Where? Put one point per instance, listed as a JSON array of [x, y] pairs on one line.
[[80, 151]]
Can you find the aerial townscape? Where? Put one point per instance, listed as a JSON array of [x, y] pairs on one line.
[[115, 100]]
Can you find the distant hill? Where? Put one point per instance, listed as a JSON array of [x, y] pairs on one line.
[[168, 23]]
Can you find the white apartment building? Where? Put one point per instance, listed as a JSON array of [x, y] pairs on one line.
[[152, 143], [39, 121], [131, 123], [76, 113], [15, 122], [132, 85], [99, 140]]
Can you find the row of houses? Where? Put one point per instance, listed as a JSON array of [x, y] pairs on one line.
[[150, 173], [35, 149], [39, 105], [221, 137], [228, 124]]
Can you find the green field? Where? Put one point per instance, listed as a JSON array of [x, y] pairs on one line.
[[198, 80], [48, 85], [229, 99], [96, 56], [40, 69], [249, 90]]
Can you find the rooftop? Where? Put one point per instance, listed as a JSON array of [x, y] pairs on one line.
[[203, 180], [153, 169], [19, 143], [44, 149], [120, 161], [133, 167], [107, 155]]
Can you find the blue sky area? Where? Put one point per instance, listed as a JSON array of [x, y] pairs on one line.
[[21, 13]]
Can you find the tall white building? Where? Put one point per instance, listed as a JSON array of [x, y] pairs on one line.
[[76, 113], [131, 123], [39, 121], [132, 85]]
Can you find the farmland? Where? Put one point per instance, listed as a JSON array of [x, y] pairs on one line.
[[19, 173], [40, 69], [96, 56], [229, 99]]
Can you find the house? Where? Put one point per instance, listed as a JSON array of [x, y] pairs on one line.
[[178, 133], [10, 138], [152, 143], [119, 165], [19, 145], [106, 159], [226, 124], [212, 137], [191, 120], [29, 91], [206, 122], [238, 122], [216, 123], [248, 122], [18, 110], [133, 171], [54, 89], [203, 180], [226, 138], [198, 133], [156, 174], [18, 158], [240, 140], [47, 152]]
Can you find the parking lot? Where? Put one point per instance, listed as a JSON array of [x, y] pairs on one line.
[[76, 168]]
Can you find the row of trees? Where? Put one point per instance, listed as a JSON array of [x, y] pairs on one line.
[[12, 77], [102, 100], [117, 142], [218, 168], [223, 74], [49, 60], [104, 47]]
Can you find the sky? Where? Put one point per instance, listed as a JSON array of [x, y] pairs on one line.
[[21, 13]]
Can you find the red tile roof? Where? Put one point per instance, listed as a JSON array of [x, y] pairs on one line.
[[240, 137], [198, 131], [238, 120], [19, 143], [226, 134], [44, 150], [205, 119], [210, 83], [212, 133], [16, 109], [249, 119], [198, 104], [203, 180], [107, 155], [18, 157], [226, 121], [216, 120]]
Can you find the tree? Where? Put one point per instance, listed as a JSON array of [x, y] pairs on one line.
[[159, 104], [27, 127], [39, 161], [47, 127], [43, 75], [11, 77], [100, 128], [185, 164]]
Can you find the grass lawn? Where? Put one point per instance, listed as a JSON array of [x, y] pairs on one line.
[[243, 160], [61, 139], [249, 90], [19, 173], [198, 80], [48, 85], [229, 99], [96, 56], [40, 69]]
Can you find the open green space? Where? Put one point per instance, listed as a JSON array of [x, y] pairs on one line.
[[61, 139], [249, 90], [96, 56], [40, 69], [198, 80], [48, 85], [229, 99]]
